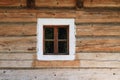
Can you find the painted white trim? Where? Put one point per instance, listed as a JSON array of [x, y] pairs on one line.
[[51, 21]]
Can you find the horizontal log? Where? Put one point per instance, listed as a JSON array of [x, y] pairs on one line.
[[57, 14], [59, 64], [11, 3], [98, 45], [16, 64], [60, 74], [16, 56], [104, 64], [98, 56], [38, 64], [55, 3], [17, 44], [79, 56], [20, 60], [41, 10], [101, 3], [98, 30], [12, 20], [97, 16], [14, 29], [17, 15]]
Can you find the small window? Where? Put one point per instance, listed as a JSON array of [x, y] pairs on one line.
[[55, 39]]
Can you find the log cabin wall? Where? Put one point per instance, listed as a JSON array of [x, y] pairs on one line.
[[97, 40]]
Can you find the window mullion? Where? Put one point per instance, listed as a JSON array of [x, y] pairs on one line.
[[55, 40]]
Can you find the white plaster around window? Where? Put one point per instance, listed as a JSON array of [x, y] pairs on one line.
[[52, 21]]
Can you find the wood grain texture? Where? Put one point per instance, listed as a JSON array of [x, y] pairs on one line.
[[23, 3], [60, 74], [98, 56], [18, 17], [98, 64], [38, 10], [79, 56], [97, 16], [59, 64], [14, 29], [98, 45], [57, 14], [10, 3], [98, 30], [55, 3], [38, 64], [17, 44], [16, 56], [16, 64], [102, 3]]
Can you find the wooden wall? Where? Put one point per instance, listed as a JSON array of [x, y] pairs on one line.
[[97, 40]]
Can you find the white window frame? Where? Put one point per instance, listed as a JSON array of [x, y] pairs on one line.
[[54, 21]]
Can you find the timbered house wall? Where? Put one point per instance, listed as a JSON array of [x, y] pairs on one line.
[[97, 40]]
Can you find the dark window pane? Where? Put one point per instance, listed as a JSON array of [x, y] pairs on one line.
[[62, 33], [49, 47], [49, 33], [62, 47]]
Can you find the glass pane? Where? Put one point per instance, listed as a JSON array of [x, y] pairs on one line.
[[62, 33], [49, 33], [62, 47], [49, 47]]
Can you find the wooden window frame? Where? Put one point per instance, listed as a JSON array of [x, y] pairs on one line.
[[40, 37], [56, 40]]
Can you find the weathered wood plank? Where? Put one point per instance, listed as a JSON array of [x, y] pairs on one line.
[[14, 29], [24, 10], [98, 45], [7, 19], [17, 44], [57, 14], [8, 3], [16, 64], [79, 56], [49, 64], [60, 74], [101, 3], [97, 16], [98, 30], [16, 56], [62, 64], [38, 64], [98, 56], [104, 64], [23, 3], [17, 15], [55, 3]]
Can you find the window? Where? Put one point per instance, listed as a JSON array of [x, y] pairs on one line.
[[55, 39]]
